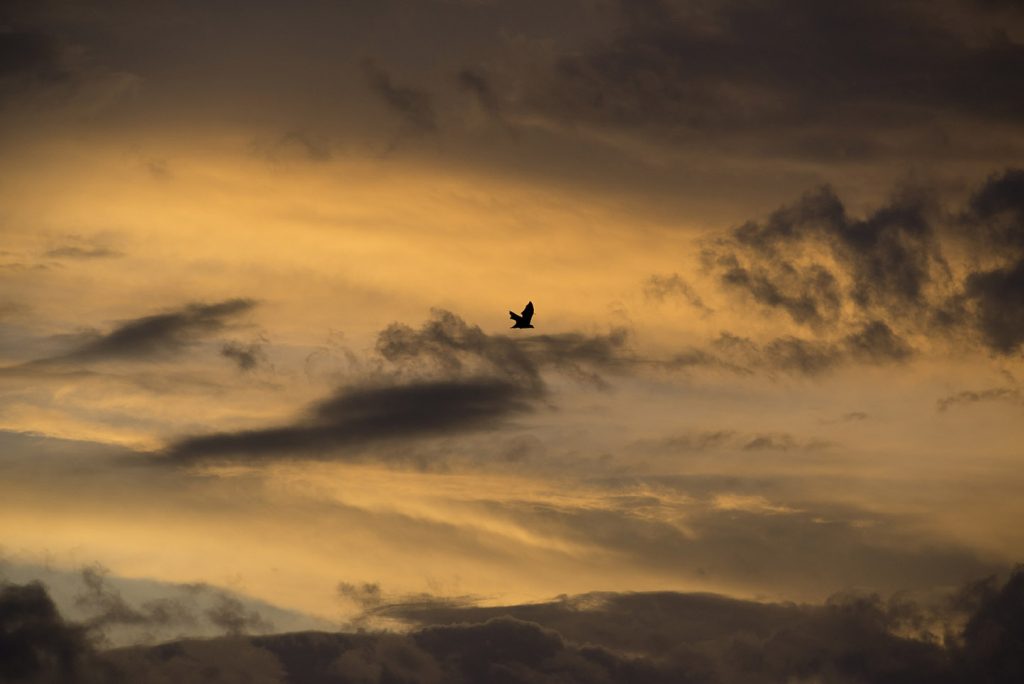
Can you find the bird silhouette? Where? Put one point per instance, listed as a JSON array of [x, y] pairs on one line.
[[523, 320]]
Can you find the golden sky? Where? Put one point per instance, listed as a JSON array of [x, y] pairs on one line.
[[256, 263]]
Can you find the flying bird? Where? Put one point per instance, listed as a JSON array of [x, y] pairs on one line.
[[523, 320]]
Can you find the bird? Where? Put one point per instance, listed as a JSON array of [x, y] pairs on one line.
[[522, 320]]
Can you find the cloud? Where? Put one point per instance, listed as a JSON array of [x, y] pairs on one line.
[[661, 287], [36, 644], [816, 81], [29, 55], [971, 397], [599, 637], [359, 417], [992, 297], [151, 337], [232, 616], [446, 378], [861, 286], [414, 107], [889, 257], [75, 252], [246, 356], [296, 144], [186, 608], [456, 346]]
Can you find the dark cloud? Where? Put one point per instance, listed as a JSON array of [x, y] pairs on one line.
[[993, 639], [188, 607], [886, 275], [415, 107], [359, 417], [36, 644], [294, 145], [995, 213], [234, 618], [246, 356], [821, 81], [477, 84], [661, 287], [876, 342], [971, 397], [154, 336], [450, 378], [782, 442], [29, 54], [998, 296], [890, 257], [75, 252], [366, 595], [634, 638], [992, 298], [456, 346]]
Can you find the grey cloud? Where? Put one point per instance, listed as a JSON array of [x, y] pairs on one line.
[[29, 54], [295, 144], [661, 287], [816, 80], [891, 256], [888, 277], [633, 638], [154, 336], [246, 356], [992, 298], [971, 397], [456, 346], [477, 84], [36, 644], [234, 618], [362, 416], [876, 342], [873, 342], [998, 295], [994, 216], [191, 608], [415, 107], [75, 252], [366, 595], [782, 442], [450, 378]]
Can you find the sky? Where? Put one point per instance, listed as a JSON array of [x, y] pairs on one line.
[[256, 267]]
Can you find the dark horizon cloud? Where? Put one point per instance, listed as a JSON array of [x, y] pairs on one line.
[[972, 635]]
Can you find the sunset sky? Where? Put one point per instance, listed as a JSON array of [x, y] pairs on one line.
[[256, 263]]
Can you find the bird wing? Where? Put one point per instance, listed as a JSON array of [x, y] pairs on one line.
[[514, 316], [528, 313]]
